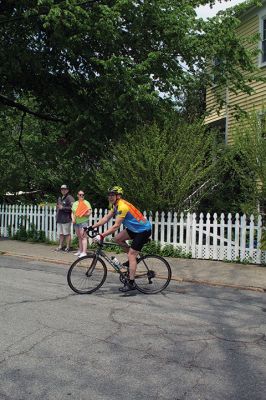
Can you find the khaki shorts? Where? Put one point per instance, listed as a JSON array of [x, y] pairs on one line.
[[64, 229]]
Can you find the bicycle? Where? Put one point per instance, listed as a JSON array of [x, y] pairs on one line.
[[87, 274]]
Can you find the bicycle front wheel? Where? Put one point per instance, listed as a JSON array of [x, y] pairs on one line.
[[153, 274], [86, 274]]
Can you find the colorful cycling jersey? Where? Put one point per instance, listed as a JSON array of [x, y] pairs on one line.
[[134, 220]]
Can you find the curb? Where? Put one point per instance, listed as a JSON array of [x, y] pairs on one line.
[[176, 279]]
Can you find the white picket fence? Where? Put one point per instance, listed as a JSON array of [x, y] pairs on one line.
[[223, 237]]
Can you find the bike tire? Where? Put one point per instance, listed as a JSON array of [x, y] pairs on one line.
[[84, 277], [153, 274]]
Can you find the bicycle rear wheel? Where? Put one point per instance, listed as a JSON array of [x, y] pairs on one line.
[[86, 274], [153, 274]]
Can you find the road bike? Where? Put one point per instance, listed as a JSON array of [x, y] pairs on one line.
[[87, 274]]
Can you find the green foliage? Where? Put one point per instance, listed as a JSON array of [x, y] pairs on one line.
[[159, 168], [30, 157], [250, 141], [91, 71], [241, 169], [168, 250], [31, 235], [234, 181], [21, 234]]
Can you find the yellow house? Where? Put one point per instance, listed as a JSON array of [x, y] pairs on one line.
[[253, 21]]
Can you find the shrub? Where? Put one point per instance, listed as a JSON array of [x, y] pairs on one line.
[[33, 235]]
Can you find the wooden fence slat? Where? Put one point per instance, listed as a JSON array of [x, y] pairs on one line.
[[251, 237], [222, 255], [243, 237], [229, 237], [193, 235], [188, 233], [215, 228], [208, 228], [259, 233]]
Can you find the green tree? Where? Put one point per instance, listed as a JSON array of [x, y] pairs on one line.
[[250, 142], [92, 70], [241, 169], [232, 189], [36, 155], [159, 168]]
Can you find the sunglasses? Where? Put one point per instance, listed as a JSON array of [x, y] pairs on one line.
[[81, 194]]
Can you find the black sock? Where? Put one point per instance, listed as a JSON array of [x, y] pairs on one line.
[[131, 281]]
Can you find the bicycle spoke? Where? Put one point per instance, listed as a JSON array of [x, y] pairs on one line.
[[153, 274], [86, 274]]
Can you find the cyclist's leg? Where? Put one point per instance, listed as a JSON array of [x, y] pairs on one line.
[[139, 239], [132, 258], [121, 238]]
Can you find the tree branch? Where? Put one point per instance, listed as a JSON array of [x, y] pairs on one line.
[[11, 103], [20, 137]]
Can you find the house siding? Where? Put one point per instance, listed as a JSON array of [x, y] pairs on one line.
[[248, 103]]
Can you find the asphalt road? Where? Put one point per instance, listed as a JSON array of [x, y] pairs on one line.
[[191, 342]]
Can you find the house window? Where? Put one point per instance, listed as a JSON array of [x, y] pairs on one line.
[[263, 42], [262, 123], [220, 128], [215, 66]]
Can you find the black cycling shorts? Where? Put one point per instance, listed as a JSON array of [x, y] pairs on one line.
[[139, 239]]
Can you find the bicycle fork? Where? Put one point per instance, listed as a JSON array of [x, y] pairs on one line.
[[92, 267]]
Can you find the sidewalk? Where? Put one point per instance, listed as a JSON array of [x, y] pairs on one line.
[[208, 272]]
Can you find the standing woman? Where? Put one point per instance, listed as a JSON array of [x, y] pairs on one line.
[[81, 211]]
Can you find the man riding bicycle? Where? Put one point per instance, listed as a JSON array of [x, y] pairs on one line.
[[137, 229]]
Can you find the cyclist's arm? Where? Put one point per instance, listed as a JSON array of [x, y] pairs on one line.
[[114, 228], [104, 220]]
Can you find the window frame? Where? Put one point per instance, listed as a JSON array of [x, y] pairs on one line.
[[262, 21], [261, 115]]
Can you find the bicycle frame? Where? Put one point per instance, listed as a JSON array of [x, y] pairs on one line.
[[100, 253]]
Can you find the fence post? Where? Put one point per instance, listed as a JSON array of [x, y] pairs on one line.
[[222, 256], [169, 227], [215, 228], [251, 237], [243, 237], [156, 227], [237, 237], [181, 230], [151, 222], [12, 220], [188, 233], [258, 258], [54, 223], [45, 218], [200, 246], [162, 228], [8, 219], [229, 237], [175, 223], [193, 235], [50, 223], [208, 228]]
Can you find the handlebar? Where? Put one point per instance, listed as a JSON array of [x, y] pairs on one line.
[[91, 233]]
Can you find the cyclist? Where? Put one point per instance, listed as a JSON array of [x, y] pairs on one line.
[[137, 229]]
